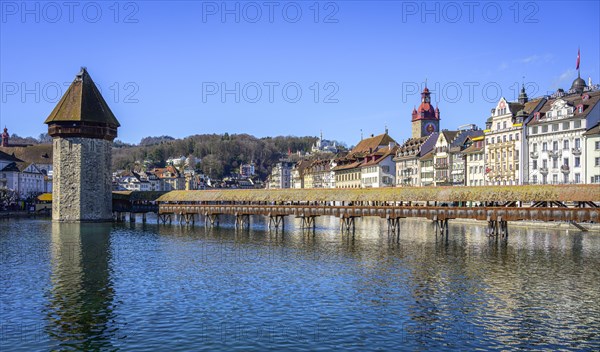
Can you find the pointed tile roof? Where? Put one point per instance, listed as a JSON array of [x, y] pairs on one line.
[[369, 145], [82, 103]]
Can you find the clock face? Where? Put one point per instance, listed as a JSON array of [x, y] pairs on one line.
[[430, 128]]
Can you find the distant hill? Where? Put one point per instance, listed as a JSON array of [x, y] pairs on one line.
[[220, 154]]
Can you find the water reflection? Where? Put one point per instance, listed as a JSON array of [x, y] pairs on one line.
[[80, 304]]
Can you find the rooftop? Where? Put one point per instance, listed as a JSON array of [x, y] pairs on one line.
[[82, 103]]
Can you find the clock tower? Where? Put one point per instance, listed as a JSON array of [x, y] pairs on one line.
[[425, 119]]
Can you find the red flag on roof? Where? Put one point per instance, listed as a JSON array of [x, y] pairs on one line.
[[578, 59]]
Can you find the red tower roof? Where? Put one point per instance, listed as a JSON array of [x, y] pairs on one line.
[[425, 111]]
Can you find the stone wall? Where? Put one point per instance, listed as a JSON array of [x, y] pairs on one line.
[[82, 189]]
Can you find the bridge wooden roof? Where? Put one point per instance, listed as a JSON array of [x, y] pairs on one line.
[[443, 194]]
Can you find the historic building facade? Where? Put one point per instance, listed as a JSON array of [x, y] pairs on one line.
[[348, 169], [503, 143], [474, 161], [592, 154], [556, 138], [280, 176], [442, 160]]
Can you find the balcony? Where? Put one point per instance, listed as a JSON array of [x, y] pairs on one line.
[[576, 151], [544, 170], [441, 166], [534, 155], [565, 169], [554, 154]]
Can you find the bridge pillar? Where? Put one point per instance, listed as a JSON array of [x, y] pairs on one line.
[[187, 218], [393, 226], [308, 221], [131, 217], [441, 226], [212, 219], [242, 220], [347, 223], [164, 218], [276, 221], [144, 218], [497, 227]]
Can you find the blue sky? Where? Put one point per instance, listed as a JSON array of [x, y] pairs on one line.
[[288, 68]]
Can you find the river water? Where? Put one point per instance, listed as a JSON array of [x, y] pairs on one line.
[[141, 287]]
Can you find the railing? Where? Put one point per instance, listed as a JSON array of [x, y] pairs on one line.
[[544, 170], [565, 169], [429, 212], [576, 151], [533, 155]]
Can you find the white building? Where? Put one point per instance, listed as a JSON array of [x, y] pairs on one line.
[[426, 171], [379, 168], [475, 162], [592, 154], [26, 179], [280, 176], [557, 149], [442, 160]]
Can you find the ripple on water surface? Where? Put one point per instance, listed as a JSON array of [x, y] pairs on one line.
[[148, 287]]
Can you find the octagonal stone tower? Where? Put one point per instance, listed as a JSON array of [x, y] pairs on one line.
[[83, 129]]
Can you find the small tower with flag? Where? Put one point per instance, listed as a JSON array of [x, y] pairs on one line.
[[578, 85], [83, 129]]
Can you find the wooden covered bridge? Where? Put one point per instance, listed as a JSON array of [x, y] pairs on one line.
[[497, 205]]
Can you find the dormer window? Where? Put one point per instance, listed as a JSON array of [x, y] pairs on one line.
[[559, 113], [580, 108], [549, 114]]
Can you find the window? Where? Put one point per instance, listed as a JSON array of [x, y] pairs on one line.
[[596, 145], [498, 125], [566, 125], [555, 145], [510, 137], [534, 147], [555, 163], [534, 166], [577, 178], [554, 127], [504, 138], [504, 124], [577, 161], [596, 161], [534, 179], [566, 144], [545, 129], [534, 130], [545, 163], [577, 143], [559, 113], [577, 124], [516, 136], [554, 178], [549, 114], [566, 161]]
